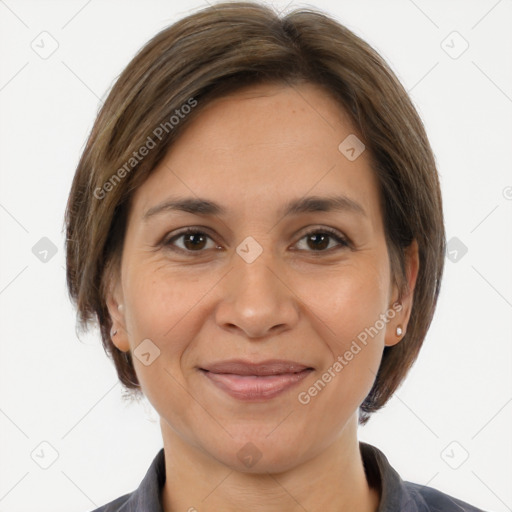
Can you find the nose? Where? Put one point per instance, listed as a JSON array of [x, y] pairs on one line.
[[256, 300]]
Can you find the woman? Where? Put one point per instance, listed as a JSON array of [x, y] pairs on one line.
[[256, 224]]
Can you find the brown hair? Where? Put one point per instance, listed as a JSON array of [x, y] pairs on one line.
[[207, 55]]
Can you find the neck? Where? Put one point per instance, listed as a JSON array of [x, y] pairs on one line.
[[332, 481]]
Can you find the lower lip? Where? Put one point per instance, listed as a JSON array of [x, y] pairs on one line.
[[255, 388]]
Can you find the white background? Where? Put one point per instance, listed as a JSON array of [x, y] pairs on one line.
[[62, 391]]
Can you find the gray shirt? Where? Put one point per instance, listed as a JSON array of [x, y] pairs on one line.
[[396, 495]]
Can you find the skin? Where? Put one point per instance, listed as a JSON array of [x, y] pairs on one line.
[[300, 300]]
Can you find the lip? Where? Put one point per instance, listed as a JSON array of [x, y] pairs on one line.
[[250, 381], [263, 368]]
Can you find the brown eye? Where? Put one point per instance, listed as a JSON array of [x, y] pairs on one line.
[[193, 240], [319, 240]]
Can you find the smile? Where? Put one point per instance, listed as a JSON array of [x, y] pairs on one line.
[[255, 382]]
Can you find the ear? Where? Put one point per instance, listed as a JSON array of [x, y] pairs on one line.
[[115, 305], [401, 318]]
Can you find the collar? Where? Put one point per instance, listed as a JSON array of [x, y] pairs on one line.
[[396, 495]]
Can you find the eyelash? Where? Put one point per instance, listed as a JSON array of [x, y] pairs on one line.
[[342, 241]]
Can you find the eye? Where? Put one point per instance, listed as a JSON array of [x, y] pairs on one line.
[[320, 239], [194, 240]]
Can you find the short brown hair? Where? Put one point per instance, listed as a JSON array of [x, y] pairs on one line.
[[207, 55]]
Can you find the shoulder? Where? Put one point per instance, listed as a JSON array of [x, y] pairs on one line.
[[117, 505], [146, 498], [399, 495], [436, 501]]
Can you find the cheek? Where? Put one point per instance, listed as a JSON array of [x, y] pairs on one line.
[[155, 307], [347, 301], [350, 309], [161, 308], [159, 298], [354, 342], [167, 307]]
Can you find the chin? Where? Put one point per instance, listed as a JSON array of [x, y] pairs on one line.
[[260, 453]]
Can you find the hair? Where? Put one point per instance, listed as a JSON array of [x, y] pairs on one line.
[[207, 55]]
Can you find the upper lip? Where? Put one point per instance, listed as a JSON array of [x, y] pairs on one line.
[[268, 367]]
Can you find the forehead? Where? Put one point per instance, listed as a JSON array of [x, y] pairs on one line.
[[263, 144]]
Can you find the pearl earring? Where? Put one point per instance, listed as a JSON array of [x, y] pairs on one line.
[[113, 333], [399, 330]]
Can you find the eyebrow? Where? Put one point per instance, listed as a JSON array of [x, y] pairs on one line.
[[199, 206]]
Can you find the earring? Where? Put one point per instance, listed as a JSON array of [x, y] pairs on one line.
[[399, 330], [113, 333]]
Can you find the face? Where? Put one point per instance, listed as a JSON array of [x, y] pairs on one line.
[[256, 281]]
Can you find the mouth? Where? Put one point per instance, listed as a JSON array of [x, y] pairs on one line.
[[249, 381]]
